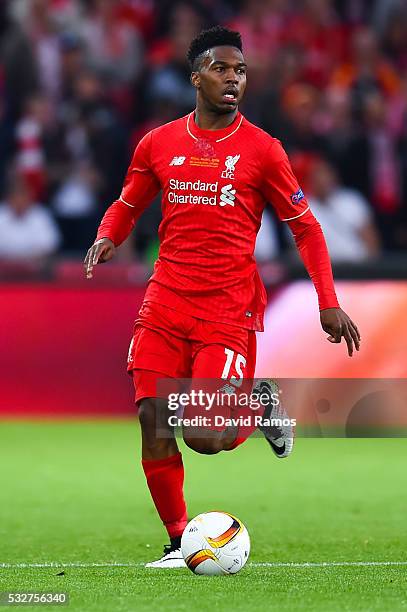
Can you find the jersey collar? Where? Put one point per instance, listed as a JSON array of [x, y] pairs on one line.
[[218, 135]]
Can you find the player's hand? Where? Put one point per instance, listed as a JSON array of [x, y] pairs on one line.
[[101, 251], [337, 324]]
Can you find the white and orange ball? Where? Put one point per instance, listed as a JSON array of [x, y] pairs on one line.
[[215, 543]]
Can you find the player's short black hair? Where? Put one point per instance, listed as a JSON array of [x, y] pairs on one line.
[[214, 37]]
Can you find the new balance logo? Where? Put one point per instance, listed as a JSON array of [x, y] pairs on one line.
[[178, 161], [227, 195]]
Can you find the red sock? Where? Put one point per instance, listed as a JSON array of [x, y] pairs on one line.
[[165, 479]]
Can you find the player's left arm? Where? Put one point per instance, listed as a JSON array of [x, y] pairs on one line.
[[312, 248], [281, 188]]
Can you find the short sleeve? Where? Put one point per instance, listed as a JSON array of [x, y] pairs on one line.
[[141, 185], [279, 185]]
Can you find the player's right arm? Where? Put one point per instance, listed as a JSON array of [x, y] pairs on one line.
[[140, 187]]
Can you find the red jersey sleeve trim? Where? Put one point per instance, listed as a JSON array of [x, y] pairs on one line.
[[127, 204], [297, 216], [117, 222]]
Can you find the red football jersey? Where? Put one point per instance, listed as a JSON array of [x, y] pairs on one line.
[[215, 185]]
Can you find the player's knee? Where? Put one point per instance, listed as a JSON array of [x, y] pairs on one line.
[[148, 421], [147, 415], [204, 446]]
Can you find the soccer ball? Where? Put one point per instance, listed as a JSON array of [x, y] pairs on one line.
[[215, 543]]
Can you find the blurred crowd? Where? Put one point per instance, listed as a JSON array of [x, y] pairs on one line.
[[81, 81]]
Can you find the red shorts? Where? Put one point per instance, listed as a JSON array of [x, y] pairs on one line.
[[170, 344]]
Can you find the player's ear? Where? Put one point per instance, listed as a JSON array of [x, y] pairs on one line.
[[195, 79]]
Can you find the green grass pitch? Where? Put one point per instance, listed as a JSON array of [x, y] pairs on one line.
[[74, 493]]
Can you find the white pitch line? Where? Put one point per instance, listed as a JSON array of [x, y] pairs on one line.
[[57, 564], [61, 565], [330, 564]]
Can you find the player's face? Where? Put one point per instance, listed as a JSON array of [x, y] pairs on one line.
[[222, 79]]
